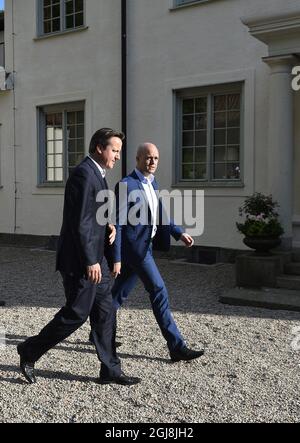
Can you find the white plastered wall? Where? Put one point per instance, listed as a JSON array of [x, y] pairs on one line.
[[82, 66], [202, 45]]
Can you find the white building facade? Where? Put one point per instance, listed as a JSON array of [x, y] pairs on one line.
[[208, 81]]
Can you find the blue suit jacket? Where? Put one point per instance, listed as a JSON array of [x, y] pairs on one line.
[[82, 241], [132, 242]]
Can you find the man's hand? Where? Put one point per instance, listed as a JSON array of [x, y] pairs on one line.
[[112, 234], [117, 270], [94, 274], [187, 240]]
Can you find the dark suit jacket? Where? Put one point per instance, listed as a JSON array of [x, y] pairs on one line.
[[132, 242], [82, 239]]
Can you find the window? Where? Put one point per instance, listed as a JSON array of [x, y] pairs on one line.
[[60, 15], [209, 136], [62, 141]]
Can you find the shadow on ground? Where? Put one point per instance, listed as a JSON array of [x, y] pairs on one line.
[[82, 347], [27, 279], [49, 375]]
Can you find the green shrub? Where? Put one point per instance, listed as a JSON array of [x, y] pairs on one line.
[[262, 219]]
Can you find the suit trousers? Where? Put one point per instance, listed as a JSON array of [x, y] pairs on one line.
[[149, 274], [82, 301]]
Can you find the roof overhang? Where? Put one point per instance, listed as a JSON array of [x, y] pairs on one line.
[[280, 32]]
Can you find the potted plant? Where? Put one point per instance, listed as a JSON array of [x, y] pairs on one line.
[[262, 228]]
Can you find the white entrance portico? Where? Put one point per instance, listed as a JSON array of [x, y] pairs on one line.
[[282, 36]]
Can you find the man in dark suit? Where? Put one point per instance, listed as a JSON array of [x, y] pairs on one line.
[[135, 242], [82, 264]]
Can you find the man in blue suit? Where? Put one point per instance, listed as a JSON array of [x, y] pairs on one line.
[[134, 244], [82, 264]]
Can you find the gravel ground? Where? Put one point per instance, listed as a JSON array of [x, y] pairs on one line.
[[250, 372]]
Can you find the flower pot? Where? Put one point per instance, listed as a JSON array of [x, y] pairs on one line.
[[262, 245]]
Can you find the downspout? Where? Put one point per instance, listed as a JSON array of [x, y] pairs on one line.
[[124, 83], [14, 120]]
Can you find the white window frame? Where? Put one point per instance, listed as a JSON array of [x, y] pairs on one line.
[[209, 92], [42, 111]]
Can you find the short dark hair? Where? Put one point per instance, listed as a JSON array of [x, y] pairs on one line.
[[102, 137]]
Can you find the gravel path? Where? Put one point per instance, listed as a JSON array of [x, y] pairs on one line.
[[250, 372]]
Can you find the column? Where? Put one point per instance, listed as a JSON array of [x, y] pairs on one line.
[[281, 140]]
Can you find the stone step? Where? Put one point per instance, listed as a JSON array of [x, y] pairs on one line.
[[292, 269], [289, 282], [267, 298]]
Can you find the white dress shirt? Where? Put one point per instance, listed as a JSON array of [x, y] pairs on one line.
[[101, 170], [151, 196]]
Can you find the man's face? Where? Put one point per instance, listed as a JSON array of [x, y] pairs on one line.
[[112, 153], [148, 160]]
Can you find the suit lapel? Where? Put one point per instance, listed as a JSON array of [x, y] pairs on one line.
[[102, 180], [155, 185], [140, 185]]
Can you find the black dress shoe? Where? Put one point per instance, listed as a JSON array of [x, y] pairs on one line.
[[120, 380], [27, 368], [185, 354]]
